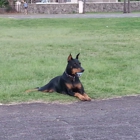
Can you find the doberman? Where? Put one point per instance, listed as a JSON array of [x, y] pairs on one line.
[[69, 82]]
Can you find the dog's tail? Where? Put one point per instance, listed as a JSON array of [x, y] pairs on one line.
[[31, 90]]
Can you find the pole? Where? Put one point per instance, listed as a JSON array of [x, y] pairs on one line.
[[124, 7], [128, 6], [84, 7]]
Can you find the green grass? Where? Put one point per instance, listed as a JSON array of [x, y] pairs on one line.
[[33, 51]]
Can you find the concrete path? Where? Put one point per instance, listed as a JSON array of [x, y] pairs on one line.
[[110, 15], [113, 119]]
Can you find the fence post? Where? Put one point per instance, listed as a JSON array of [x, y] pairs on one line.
[[80, 7], [17, 6]]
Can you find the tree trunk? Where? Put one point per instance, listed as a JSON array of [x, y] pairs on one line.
[[11, 2], [124, 7], [84, 6], [128, 6]]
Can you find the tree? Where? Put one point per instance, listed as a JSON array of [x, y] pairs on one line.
[[3, 3], [84, 6], [126, 8], [11, 2]]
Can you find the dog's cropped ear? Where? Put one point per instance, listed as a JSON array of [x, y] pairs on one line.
[[70, 57], [77, 55]]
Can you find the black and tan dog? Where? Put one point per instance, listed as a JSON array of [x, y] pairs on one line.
[[69, 82]]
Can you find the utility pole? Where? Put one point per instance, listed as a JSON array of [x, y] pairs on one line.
[[84, 7]]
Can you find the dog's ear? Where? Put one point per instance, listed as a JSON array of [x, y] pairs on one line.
[[77, 55], [70, 57]]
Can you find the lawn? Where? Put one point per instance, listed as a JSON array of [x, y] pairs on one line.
[[32, 51]]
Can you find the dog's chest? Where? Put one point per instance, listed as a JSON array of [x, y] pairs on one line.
[[73, 85]]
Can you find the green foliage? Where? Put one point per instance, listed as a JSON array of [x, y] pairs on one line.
[[3, 3], [33, 51]]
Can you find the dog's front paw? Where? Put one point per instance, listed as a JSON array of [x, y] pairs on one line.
[[81, 97], [87, 97]]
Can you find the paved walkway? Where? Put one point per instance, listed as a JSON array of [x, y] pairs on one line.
[[110, 15], [114, 119]]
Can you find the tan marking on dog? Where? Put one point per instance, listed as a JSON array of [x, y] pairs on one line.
[[78, 85], [87, 97], [81, 97], [69, 86], [51, 90], [75, 70], [31, 90]]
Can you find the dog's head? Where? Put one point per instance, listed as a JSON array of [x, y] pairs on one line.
[[74, 65]]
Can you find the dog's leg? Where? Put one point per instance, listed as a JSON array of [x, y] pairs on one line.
[[87, 97], [50, 91], [81, 97]]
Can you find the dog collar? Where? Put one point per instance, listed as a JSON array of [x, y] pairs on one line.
[[72, 77]]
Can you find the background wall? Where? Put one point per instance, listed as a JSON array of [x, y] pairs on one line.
[[65, 8]]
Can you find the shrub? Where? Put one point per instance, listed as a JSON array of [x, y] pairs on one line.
[[3, 3]]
